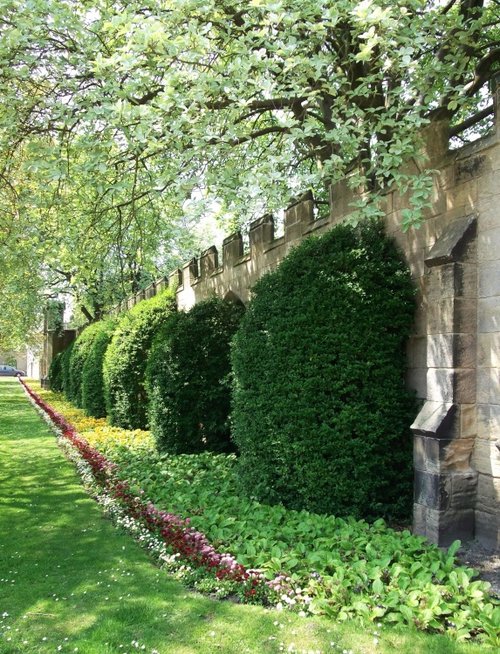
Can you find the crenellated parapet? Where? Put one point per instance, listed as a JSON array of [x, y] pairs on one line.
[[236, 269]]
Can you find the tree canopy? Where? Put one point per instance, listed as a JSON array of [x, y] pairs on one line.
[[122, 122]]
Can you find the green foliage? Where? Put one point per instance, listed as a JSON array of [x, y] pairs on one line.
[[347, 568], [65, 369], [125, 360], [188, 378], [81, 349], [321, 415], [55, 373], [92, 382]]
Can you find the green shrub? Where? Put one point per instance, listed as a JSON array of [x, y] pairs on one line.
[[125, 361], [92, 382], [65, 364], [320, 412], [81, 349], [55, 373], [188, 378]]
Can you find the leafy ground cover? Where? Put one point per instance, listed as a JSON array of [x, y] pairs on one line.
[[317, 564], [70, 582]]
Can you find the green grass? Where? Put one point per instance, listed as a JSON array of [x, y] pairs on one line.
[[69, 579]]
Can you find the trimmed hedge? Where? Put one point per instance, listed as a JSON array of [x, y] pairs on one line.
[[81, 350], [55, 373], [320, 411], [188, 379], [125, 361], [65, 368], [92, 381]]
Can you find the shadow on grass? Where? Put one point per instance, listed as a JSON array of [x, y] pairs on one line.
[[69, 579]]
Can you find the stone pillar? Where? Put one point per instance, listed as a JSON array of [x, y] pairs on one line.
[[445, 429]]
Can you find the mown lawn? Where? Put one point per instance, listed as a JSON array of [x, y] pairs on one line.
[[69, 581]]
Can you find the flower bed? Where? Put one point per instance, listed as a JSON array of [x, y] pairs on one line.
[[190, 544], [319, 564]]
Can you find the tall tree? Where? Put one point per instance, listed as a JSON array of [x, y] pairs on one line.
[[128, 116]]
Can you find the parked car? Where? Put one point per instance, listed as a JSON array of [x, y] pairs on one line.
[[10, 371]]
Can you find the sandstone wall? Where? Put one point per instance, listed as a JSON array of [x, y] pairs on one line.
[[454, 351]]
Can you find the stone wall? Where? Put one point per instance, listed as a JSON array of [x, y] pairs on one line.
[[454, 351]]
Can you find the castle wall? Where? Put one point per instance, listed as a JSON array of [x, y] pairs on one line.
[[454, 350]]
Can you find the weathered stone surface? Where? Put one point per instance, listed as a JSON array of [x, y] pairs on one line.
[[488, 494], [489, 279], [488, 243], [486, 457], [489, 350], [444, 491], [488, 421], [488, 385], [464, 386], [468, 421], [453, 242], [439, 456], [440, 384], [443, 527], [488, 529], [209, 262], [489, 314]]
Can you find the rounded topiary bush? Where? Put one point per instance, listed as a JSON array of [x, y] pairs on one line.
[[188, 379], [320, 412], [55, 373], [92, 385], [125, 361]]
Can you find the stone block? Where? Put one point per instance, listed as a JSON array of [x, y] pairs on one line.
[[468, 420], [489, 350], [441, 316], [487, 529], [488, 494], [443, 527], [440, 384], [294, 232], [488, 421], [463, 196], [466, 169], [488, 386], [440, 350], [488, 243], [439, 456], [489, 213], [486, 457], [489, 279], [489, 314], [464, 386]]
